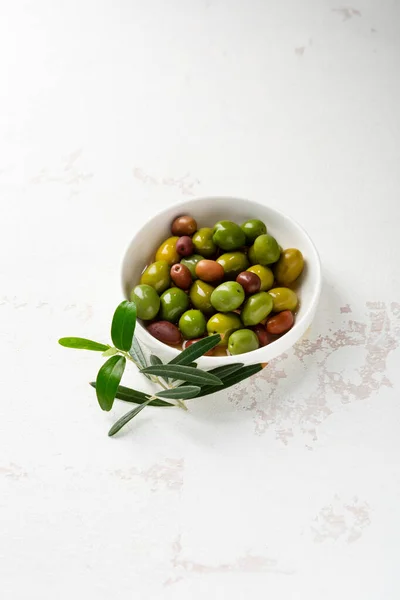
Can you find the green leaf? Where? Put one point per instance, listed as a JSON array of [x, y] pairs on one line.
[[225, 370], [82, 344], [155, 360], [236, 377], [183, 392], [123, 325], [110, 352], [108, 379], [184, 373], [126, 418], [129, 395], [195, 350], [138, 355]]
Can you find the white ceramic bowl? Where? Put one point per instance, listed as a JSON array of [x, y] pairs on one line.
[[208, 211]]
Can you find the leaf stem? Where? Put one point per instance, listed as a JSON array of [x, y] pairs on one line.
[[181, 404], [163, 385], [154, 378], [129, 357]]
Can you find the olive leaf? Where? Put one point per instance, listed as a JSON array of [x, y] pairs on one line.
[[127, 417], [108, 379], [184, 373], [123, 325], [129, 395], [82, 344], [110, 352], [154, 360], [229, 380], [138, 356], [225, 370], [196, 350], [221, 372], [183, 392], [137, 353]]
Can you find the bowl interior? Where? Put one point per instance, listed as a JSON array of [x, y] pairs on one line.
[[207, 211]]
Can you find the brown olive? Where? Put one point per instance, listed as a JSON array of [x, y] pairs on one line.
[[184, 225], [209, 270], [181, 276], [281, 323], [262, 334], [165, 332], [184, 246], [250, 282], [190, 342]]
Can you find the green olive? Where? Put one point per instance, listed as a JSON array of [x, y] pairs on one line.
[[228, 296], [147, 301], [251, 255], [266, 249], [203, 242], [157, 275], [256, 308], [167, 251], [244, 340], [190, 262], [252, 229], [266, 276], [228, 235], [289, 266], [233, 263], [174, 302], [283, 299], [224, 324], [192, 324], [200, 296]]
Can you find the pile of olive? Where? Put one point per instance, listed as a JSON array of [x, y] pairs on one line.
[[230, 279]]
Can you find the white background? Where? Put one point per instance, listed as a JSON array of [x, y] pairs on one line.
[[288, 486]]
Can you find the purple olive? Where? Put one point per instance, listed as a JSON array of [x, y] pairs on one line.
[[165, 332], [249, 281], [184, 246]]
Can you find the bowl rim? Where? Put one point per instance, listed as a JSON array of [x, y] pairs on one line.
[[281, 344]]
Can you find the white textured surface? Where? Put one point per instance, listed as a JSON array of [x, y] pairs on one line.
[[285, 488]]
